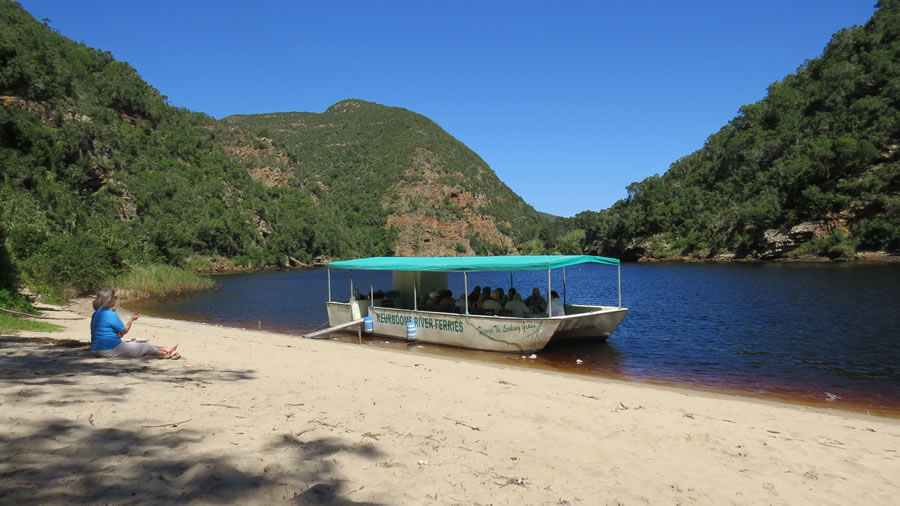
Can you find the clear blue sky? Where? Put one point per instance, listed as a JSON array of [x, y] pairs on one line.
[[568, 101]]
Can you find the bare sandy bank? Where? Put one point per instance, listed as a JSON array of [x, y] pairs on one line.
[[259, 418]]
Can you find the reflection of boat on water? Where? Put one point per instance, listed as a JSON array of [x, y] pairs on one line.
[[401, 317]]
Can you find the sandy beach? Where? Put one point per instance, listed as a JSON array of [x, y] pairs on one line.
[[253, 417]]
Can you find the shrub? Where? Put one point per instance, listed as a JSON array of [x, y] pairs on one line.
[[15, 301], [837, 245], [75, 263]]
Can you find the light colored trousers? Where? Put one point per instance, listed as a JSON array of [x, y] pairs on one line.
[[129, 349]]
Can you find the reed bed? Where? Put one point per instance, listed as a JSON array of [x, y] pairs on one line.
[[150, 281]]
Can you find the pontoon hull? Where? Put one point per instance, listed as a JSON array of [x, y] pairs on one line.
[[490, 333], [589, 321]]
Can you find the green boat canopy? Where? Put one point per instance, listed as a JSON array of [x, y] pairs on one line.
[[471, 264]]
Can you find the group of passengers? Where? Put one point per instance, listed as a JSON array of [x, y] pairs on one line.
[[487, 301], [439, 300], [484, 300]]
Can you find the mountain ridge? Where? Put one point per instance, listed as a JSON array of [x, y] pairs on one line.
[[98, 173], [432, 189]]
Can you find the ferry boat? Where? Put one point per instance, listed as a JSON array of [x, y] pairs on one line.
[[401, 316]]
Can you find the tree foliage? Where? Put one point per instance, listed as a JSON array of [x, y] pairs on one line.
[[822, 146], [359, 160], [98, 172]]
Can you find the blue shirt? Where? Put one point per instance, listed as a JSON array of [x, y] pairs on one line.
[[105, 325]]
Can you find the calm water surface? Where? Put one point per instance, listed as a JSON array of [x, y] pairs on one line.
[[815, 333]]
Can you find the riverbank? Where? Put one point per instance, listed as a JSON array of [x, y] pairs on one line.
[[221, 266], [257, 417], [871, 257]]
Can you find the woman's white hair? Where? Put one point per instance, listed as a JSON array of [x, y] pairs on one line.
[[104, 295]]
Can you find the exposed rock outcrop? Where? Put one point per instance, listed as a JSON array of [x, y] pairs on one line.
[[263, 160], [779, 242]]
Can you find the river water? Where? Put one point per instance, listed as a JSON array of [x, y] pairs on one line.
[[821, 334]]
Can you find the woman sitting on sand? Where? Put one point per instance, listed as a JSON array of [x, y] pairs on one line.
[[107, 330]]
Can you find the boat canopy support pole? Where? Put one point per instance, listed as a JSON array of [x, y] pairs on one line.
[[329, 284], [351, 286], [620, 285], [371, 288], [564, 286], [466, 290], [549, 311]]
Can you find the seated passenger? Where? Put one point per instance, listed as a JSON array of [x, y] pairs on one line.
[[446, 302], [476, 292], [535, 302], [433, 298], [516, 307], [556, 304], [485, 295], [461, 304], [493, 304]]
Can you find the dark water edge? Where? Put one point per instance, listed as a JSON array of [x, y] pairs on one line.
[[562, 359], [818, 335]]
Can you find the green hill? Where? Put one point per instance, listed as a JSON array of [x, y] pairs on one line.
[[814, 168], [370, 167], [98, 173]]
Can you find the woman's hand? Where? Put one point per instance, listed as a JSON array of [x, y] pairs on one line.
[[131, 320]]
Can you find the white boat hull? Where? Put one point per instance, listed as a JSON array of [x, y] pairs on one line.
[[589, 321], [490, 333]]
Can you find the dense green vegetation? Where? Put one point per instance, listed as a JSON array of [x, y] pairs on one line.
[[359, 160], [823, 146], [98, 175]]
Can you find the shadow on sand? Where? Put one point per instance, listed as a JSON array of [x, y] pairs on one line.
[[47, 361], [58, 460]]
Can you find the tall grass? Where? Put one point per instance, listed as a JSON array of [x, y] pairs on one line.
[[145, 281]]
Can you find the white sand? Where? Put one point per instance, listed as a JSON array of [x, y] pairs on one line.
[[258, 418]]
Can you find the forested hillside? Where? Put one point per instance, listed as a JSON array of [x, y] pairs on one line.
[[98, 173], [814, 168], [372, 167]]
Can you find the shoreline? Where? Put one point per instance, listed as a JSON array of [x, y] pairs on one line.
[[866, 258], [259, 417], [495, 359], [863, 257]]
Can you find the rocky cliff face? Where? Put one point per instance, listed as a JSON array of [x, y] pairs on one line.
[[440, 198], [779, 243], [431, 218], [422, 235], [265, 163]]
